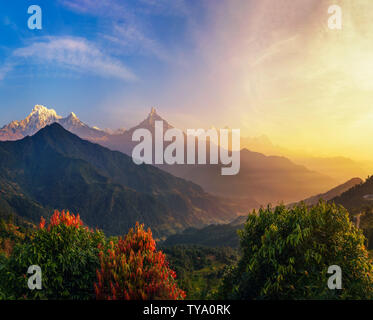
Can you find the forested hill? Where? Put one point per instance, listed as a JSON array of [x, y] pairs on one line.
[[55, 169], [358, 198]]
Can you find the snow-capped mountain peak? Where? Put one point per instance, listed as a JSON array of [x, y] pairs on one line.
[[153, 111], [149, 122], [72, 115], [43, 112], [40, 117], [71, 120]]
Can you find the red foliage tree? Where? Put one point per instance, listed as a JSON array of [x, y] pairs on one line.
[[132, 269], [65, 218]]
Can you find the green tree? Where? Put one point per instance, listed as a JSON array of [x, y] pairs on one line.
[[67, 253], [287, 252]]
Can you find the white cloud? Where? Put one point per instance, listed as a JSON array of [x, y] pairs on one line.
[[73, 53], [105, 8], [130, 39], [127, 26]]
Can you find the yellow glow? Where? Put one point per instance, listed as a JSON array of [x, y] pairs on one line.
[[275, 68]]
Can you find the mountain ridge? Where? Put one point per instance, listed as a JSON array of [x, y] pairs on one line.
[[40, 117], [261, 179], [358, 198], [55, 169], [333, 193]]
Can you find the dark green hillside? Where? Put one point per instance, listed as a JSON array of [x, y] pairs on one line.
[[55, 169], [356, 199], [359, 202], [222, 235]]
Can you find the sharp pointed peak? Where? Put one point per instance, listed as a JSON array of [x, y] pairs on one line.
[[72, 115], [153, 116], [153, 112]]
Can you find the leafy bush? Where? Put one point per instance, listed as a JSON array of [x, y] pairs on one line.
[[132, 269], [67, 253], [287, 252]]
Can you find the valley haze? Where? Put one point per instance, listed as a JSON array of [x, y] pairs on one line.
[[262, 176], [177, 149]]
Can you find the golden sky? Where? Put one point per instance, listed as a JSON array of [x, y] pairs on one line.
[[269, 67], [275, 68]]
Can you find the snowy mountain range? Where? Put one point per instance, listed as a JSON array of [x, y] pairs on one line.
[[40, 117], [258, 170], [122, 141]]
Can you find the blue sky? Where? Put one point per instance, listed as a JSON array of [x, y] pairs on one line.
[[263, 66], [108, 61]]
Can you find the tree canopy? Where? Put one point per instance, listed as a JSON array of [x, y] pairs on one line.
[[286, 253]]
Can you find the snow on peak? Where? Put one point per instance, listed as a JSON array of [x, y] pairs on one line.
[[39, 117], [40, 110], [38, 107], [72, 116], [153, 116], [71, 121], [149, 122]]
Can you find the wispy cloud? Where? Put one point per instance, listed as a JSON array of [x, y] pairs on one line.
[[127, 26], [76, 54], [165, 7], [103, 8], [130, 40]]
